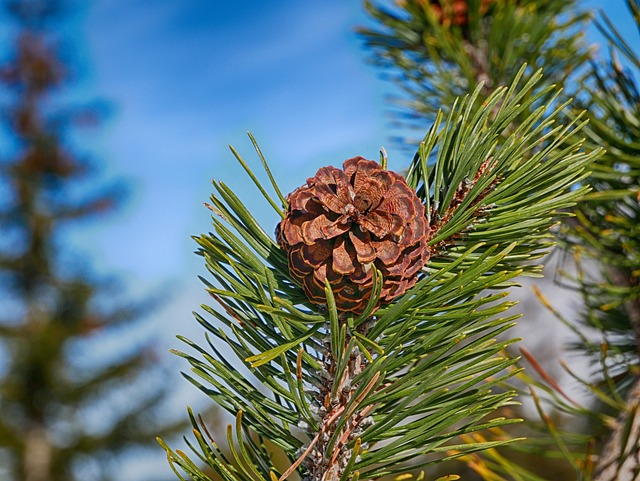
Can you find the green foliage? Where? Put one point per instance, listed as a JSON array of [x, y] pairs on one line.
[[606, 228], [433, 62], [432, 58], [603, 240], [431, 363]]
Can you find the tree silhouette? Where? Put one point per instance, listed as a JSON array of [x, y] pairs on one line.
[[56, 312]]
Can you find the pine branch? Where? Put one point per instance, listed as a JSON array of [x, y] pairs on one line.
[[359, 392], [603, 238], [434, 57], [620, 453]]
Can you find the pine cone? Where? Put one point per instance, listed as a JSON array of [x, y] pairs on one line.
[[343, 222], [456, 12]]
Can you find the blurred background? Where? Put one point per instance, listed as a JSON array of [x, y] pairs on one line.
[[164, 86]]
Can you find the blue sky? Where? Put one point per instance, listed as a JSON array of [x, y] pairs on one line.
[[186, 78]]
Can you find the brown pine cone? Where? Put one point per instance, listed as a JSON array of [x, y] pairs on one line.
[[455, 12], [343, 222]]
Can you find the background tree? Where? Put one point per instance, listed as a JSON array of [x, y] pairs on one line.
[[64, 410], [435, 51]]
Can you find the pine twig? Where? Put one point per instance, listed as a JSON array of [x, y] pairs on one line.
[[621, 452]]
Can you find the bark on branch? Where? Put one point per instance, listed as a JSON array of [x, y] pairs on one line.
[[620, 455]]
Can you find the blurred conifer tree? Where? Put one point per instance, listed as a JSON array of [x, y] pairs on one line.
[[435, 51], [64, 410]]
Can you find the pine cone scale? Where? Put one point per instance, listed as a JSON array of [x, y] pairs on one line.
[[361, 242], [318, 253], [336, 228], [387, 251], [330, 200], [343, 260], [381, 224], [312, 230]]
